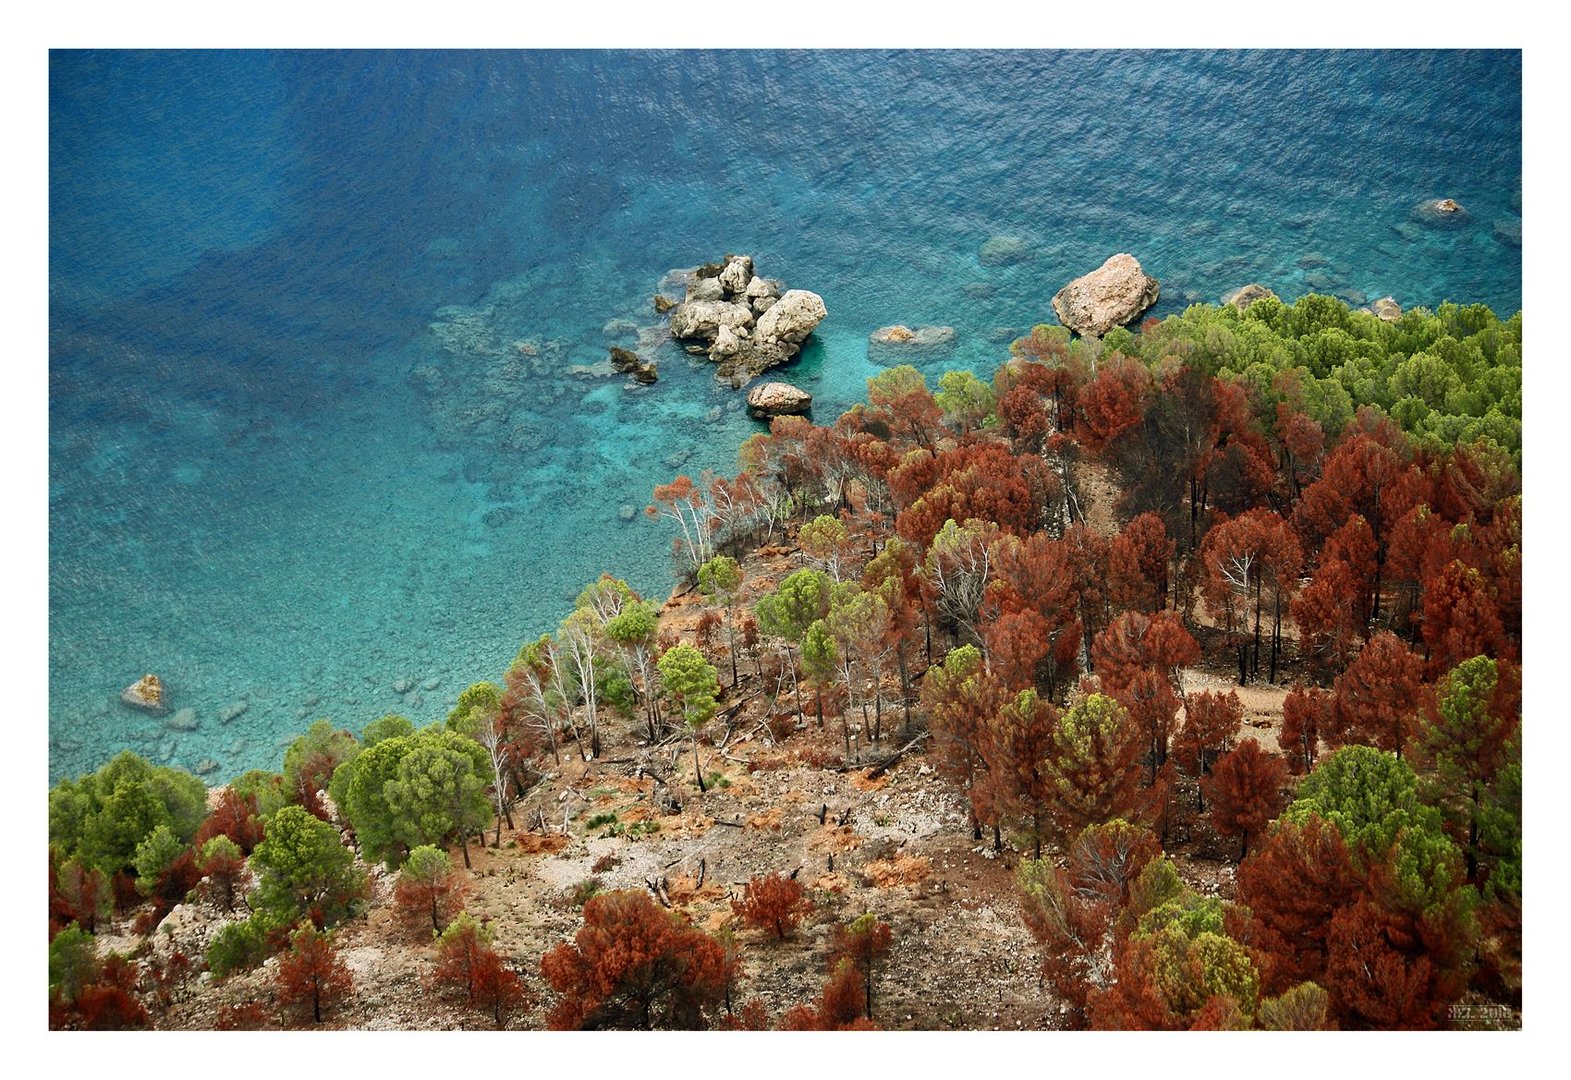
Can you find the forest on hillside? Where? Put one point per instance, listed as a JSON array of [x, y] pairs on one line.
[[1209, 633]]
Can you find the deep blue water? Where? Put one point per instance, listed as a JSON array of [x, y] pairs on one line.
[[298, 451]]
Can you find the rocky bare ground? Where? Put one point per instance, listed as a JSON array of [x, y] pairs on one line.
[[896, 844]]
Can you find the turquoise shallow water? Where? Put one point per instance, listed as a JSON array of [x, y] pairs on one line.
[[314, 427]]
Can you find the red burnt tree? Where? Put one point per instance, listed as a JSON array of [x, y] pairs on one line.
[[1019, 738], [1211, 723], [1245, 787], [1460, 618], [1075, 912], [864, 942], [498, 991], [773, 901], [1292, 884], [1379, 695], [234, 816], [1307, 717], [312, 977], [634, 965], [1138, 562], [839, 1007]]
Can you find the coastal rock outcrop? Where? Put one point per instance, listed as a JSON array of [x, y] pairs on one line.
[[147, 694], [1113, 294], [746, 323], [1241, 298], [778, 399]]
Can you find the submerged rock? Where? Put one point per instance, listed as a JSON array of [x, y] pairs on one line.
[[230, 713], [1243, 297], [147, 693], [1003, 250], [1440, 212], [778, 399], [1112, 295], [900, 344], [206, 766], [184, 720], [1508, 233]]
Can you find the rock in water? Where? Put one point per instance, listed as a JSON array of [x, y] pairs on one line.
[[1508, 232], [628, 362], [184, 720], [746, 325], [1242, 298], [794, 316], [1444, 213], [1112, 295], [206, 766], [902, 345], [737, 275], [147, 693], [778, 399], [1387, 308], [704, 318], [893, 335]]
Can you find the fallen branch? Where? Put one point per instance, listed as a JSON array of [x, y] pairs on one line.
[[884, 766]]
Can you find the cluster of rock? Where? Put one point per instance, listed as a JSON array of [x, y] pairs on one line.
[[746, 324], [627, 362], [1112, 295], [1385, 308]]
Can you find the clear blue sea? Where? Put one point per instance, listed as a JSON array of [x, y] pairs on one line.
[[313, 423]]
